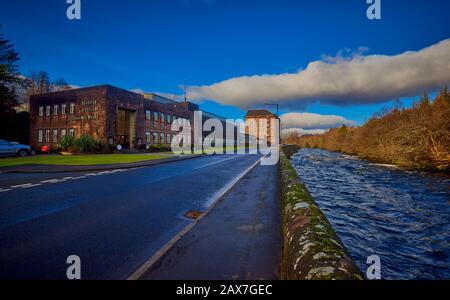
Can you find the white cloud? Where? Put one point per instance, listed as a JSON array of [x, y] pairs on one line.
[[300, 131], [313, 121], [357, 79]]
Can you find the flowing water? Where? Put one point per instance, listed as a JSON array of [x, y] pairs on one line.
[[401, 216]]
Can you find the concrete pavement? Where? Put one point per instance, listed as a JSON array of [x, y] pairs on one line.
[[114, 220], [240, 239]]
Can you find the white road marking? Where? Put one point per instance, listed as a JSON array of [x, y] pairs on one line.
[[220, 193], [209, 206], [31, 185], [50, 181], [20, 186], [53, 181], [216, 162], [104, 173]]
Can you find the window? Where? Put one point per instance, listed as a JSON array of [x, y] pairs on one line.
[[63, 109], [72, 109], [169, 117], [41, 111], [111, 141], [48, 111], [72, 132], [55, 135], [40, 136], [148, 138], [55, 110], [155, 138], [47, 136], [148, 115], [162, 117], [155, 116], [162, 138], [63, 133], [168, 140]]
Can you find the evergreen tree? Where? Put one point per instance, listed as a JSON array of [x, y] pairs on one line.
[[8, 74], [13, 126]]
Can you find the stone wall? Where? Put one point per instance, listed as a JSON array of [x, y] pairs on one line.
[[311, 248]]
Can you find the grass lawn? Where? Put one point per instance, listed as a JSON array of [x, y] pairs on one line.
[[80, 160]]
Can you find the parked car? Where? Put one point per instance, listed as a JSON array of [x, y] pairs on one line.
[[15, 149]]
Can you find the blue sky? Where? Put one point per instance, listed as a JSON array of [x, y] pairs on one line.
[[156, 45]]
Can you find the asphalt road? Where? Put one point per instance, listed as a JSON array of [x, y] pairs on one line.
[[114, 221], [240, 239]]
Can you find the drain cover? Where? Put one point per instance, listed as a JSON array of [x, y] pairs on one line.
[[193, 214]]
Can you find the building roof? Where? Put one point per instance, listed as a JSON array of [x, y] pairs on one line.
[[103, 87], [158, 98], [253, 113]]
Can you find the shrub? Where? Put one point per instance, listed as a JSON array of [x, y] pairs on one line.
[[159, 148], [67, 143], [86, 144], [54, 149]]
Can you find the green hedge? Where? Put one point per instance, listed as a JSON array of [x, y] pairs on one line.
[[83, 144]]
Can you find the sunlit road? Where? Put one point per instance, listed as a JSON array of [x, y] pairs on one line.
[[114, 221]]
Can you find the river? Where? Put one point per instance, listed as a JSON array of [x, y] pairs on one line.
[[402, 216]]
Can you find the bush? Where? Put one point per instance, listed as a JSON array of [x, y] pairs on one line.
[[159, 148], [54, 149], [86, 144], [67, 143]]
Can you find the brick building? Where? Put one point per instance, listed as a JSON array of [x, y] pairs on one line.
[[263, 129], [110, 114]]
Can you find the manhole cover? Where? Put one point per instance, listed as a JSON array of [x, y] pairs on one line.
[[193, 214]]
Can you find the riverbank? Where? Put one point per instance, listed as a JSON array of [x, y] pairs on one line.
[[415, 138], [311, 249], [390, 164]]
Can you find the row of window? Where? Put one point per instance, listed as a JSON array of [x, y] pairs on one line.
[[62, 109], [56, 109], [156, 116], [153, 138], [54, 135]]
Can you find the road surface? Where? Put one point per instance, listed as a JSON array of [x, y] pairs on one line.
[[114, 220], [240, 239]]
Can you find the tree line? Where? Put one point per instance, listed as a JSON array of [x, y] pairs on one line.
[[16, 89], [416, 137]]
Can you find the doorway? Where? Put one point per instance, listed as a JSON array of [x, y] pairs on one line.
[[126, 128]]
